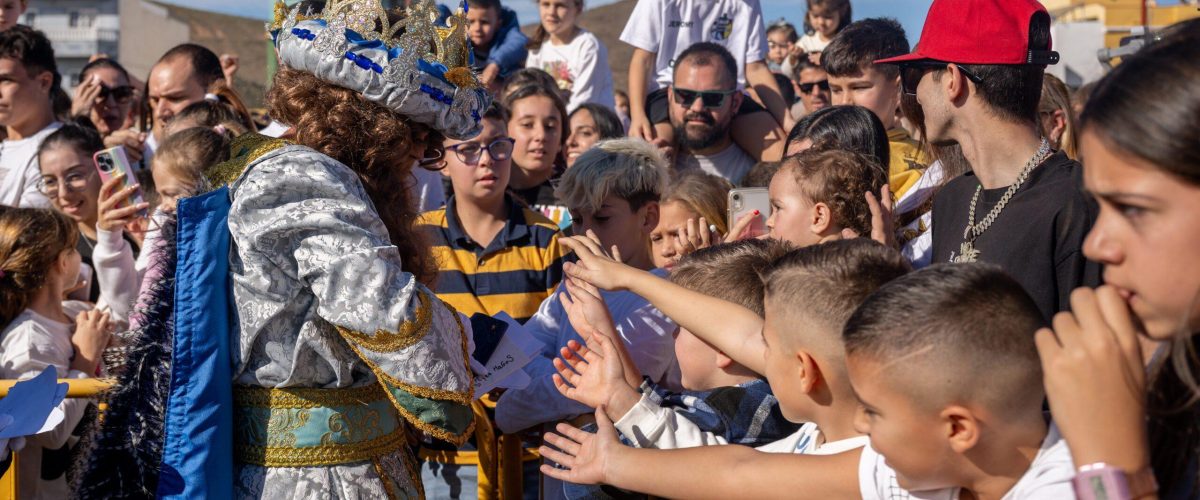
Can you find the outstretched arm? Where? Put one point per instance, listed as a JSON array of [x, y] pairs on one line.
[[743, 472], [732, 329]]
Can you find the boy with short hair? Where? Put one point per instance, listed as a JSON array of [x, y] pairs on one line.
[[493, 254], [28, 67], [612, 191], [10, 12], [496, 39], [809, 293], [855, 79], [953, 411], [970, 368], [723, 402]]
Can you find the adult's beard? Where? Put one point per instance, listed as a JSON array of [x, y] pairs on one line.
[[704, 137]]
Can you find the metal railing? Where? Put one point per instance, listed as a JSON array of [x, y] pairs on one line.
[[76, 388]]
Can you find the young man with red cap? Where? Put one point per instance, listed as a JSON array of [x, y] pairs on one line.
[[977, 74]]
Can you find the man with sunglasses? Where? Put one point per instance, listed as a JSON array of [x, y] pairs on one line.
[[703, 102], [813, 82], [28, 73], [977, 75]]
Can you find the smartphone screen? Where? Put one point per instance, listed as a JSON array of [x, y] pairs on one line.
[[746, 200]]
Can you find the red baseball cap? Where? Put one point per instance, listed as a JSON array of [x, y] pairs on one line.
[[980, 32]]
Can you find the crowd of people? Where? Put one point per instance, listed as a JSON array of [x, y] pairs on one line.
[[784, 261]]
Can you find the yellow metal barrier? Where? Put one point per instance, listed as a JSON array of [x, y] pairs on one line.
[[76, 388]]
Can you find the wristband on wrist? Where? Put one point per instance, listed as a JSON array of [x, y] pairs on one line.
[[1101, 481]]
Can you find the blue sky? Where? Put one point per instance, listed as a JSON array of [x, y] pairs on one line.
[[910, 13]]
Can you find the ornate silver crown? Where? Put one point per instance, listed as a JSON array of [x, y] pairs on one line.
[[415, 67]]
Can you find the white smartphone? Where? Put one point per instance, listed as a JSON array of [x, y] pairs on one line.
[[747, 200]]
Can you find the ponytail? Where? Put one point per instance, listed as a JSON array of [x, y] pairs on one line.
[[228, 96], [31, 241]]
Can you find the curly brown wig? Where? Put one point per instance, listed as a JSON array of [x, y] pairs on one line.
[[376, 143]]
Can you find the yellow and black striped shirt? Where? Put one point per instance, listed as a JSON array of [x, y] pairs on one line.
[[514, 273]]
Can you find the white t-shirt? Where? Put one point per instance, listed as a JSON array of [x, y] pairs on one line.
[[667, 27], [1049, 476], [807, 441], [731, 163], [812, 43], [19, 171], [31, 343], [580, 67]]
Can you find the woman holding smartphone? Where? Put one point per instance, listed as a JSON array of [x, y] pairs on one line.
[[71, 181]]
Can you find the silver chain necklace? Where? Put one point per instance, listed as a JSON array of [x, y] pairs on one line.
[[967, 252]]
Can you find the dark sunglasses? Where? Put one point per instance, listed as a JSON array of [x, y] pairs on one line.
[[710, 98], [807, 88], [120, 94], [912, 72], [470, 152]]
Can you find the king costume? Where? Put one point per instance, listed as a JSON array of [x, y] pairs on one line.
[[283, 351]]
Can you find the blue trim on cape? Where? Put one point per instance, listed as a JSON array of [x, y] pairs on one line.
[[198, 424]]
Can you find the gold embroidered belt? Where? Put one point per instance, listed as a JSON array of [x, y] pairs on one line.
[[305, 427]]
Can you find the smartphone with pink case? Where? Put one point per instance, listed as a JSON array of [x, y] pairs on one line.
[[113, 162], [746, 200]]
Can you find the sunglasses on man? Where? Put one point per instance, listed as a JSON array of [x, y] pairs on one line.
[[912, 72], [711, 99], [121, 94], [807, 88]]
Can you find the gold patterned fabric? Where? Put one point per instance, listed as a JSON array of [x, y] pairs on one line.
[[306, 427], [242, 151]]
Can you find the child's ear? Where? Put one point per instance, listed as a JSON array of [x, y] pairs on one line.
[[723, 361], [810, 373], [649, 217], [962, 428], [822, 218]]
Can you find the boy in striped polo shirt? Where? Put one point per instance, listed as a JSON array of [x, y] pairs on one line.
[[493, 255]]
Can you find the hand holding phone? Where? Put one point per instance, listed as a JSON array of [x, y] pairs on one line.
[[113, 163], [743, 201]]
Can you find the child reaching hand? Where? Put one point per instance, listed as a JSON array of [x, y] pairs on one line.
[[38, 261], [935, 431], [724, 401]]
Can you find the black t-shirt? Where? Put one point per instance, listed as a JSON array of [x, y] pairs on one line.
[[541, 194], [1037, 238]]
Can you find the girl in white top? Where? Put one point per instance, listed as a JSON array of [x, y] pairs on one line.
[[824, 20], [576, 59], [38, 261]]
